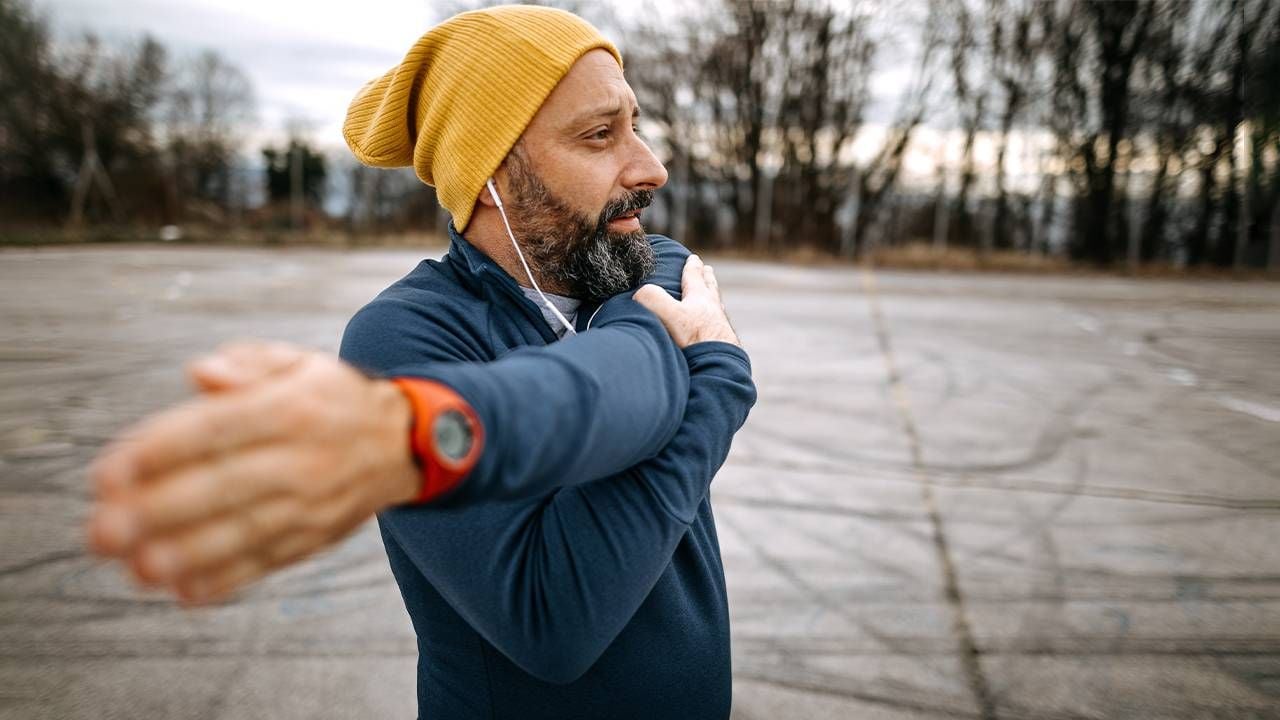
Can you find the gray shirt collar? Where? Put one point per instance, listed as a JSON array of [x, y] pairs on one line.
[[566, 305]]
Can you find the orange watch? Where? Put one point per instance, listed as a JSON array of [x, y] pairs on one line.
[[446, 436]]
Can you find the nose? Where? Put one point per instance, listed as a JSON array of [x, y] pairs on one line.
[[643, 170]]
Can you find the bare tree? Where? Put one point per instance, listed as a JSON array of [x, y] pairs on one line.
[[820, 113], [970, 97], [1014, 51], [1165, 112], [210, 106], [879, 176], [1231, 240], [1097, 45]]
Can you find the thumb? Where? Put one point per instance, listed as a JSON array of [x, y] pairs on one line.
[[656, 300], [241, 364]]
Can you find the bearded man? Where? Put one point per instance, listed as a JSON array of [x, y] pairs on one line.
[[536, 436]]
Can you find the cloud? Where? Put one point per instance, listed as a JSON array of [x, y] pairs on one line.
[[306, 60]]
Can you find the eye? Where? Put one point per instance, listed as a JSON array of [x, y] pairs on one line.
[[601, 134]]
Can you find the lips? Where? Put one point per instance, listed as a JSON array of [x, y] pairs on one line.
[[625, 211]]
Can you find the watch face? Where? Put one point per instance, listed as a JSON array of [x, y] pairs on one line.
[[452, 435]]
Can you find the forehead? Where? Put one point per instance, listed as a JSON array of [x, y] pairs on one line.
[[595, 82]]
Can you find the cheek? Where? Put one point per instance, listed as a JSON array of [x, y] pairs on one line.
[[589, 183], [593, 196]]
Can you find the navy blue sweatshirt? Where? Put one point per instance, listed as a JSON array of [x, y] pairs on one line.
[[576, 571]]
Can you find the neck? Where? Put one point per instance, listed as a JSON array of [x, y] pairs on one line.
[[486, 232]]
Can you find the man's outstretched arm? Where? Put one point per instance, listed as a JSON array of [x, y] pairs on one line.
[[285, 459]]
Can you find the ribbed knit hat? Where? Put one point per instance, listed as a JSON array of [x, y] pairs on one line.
[[463, 95]]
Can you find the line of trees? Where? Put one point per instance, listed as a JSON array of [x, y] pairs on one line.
[[1145, 129], [105, 133], [93, 133], [1110, 130]]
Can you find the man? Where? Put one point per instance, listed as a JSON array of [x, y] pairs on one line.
[[546, 513]]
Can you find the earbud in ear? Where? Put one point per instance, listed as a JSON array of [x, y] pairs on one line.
[[493, 190]]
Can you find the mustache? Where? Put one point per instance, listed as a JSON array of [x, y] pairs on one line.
[[632, 201]]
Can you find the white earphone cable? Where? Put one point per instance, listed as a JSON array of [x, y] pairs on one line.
[[550, 305]]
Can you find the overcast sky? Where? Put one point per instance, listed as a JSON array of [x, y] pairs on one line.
[[306, 59]]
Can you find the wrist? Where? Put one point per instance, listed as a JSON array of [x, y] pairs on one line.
[[722, 335], [404, 477], [445, 435]]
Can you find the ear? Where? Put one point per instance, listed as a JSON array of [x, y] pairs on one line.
[[485, 197]]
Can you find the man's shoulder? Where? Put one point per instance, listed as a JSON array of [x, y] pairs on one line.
[[670, 256], [665, 247], [424, 316], [428, 292], [433, 279]]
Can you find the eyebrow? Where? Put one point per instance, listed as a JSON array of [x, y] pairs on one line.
[[608, 111]]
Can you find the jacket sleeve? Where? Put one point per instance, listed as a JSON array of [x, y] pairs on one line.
[[570, 412], [550, 582]]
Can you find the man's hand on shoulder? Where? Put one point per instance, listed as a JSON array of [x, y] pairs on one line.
[[285, 451], [700, 315]]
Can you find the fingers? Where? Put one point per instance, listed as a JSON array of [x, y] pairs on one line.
[[655, 299], [668, 309], [242, 363], [692, 281], [220, 582], [699, 315], [215, 583], [225, 540], [202, 498], [111, 530], [695, 279], [191, 494], [200, 429]]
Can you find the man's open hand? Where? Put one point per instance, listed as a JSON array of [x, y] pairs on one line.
[[700, 315], [286, 452]]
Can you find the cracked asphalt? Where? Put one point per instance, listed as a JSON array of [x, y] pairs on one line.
[[959, 496]]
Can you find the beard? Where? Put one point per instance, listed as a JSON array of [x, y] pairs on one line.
[[569, 249]]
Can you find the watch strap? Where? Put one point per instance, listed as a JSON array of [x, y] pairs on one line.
[[429, 400]]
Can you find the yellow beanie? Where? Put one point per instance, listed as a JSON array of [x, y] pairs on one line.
[[463, 95]]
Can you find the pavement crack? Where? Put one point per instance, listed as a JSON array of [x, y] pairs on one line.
[[969, 654]]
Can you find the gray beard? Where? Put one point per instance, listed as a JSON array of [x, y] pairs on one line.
[[569, 249], [599, 267]]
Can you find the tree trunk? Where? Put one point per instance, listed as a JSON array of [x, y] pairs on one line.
[[1198, 242], [964, 221], [763, 221], [940, 218], [1244, 222], [1153, 226]]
